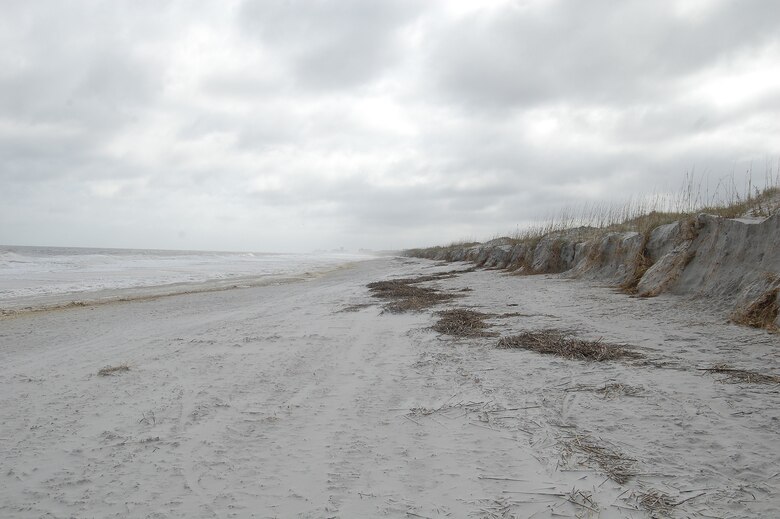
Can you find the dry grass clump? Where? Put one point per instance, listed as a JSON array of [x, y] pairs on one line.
[[112, 370], [737, 376], [393, 285], [614, 464], [463, 323], [762, 313], [407, 297], [657, 503], [562, 344], [417, 303]]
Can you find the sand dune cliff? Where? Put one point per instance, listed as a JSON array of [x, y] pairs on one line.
[[734, 262]]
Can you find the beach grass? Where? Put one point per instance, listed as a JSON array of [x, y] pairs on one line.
[[730, 198]]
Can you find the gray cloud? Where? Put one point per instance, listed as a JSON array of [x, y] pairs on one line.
[[283, 125], [69, 64], [329, 44], [602, 52]]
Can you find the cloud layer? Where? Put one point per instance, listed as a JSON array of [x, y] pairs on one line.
[[290, 125]]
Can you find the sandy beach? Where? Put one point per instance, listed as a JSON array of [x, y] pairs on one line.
[[305, 399]]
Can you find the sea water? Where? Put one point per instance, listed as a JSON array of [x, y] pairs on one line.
[[40, 276]]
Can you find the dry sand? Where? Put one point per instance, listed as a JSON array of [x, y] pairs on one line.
[[274, 402]]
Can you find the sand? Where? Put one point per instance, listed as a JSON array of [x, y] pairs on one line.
[[273, 401]]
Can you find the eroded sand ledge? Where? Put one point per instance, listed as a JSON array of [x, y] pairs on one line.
[[733, 262], [275, 402]]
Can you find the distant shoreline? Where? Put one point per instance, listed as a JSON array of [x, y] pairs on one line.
[[21, 306]]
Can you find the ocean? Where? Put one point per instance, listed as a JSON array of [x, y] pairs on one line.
[[32, 277]]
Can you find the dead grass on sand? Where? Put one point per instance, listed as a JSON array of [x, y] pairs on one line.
[[406, 296], [657, 503], [761, 313], [590, 451], [562, 344], [738, 376], [461, 322], [113, 370]]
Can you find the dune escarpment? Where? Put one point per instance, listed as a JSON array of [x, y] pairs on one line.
[[733, 262]]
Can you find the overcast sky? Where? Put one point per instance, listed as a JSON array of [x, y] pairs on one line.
[[291, 125]]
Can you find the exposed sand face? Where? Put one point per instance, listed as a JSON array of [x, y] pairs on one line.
[[273, 402]]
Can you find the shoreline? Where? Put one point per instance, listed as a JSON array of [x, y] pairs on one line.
[[34, 304]]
